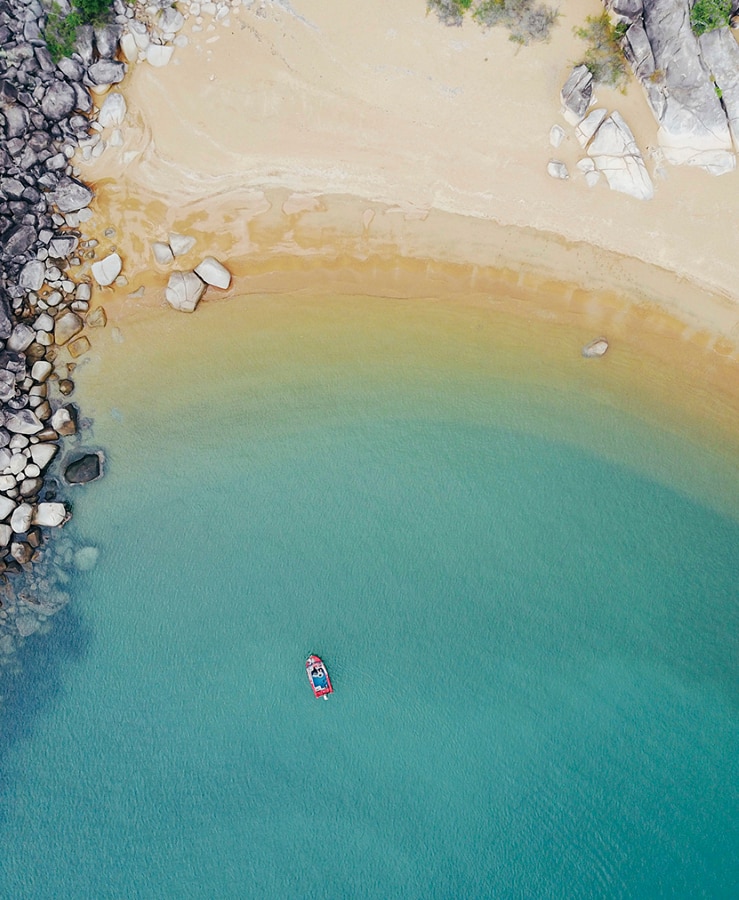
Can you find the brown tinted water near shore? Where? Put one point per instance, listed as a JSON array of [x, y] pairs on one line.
[[287, 312]]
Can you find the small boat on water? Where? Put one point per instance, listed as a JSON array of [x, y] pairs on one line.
[[318, 677]]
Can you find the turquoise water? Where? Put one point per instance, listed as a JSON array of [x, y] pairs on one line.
[[533, 649]]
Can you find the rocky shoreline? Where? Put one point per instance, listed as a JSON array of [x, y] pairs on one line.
[[49, 270]]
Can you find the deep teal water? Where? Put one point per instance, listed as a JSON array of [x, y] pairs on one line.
[[534, 652]]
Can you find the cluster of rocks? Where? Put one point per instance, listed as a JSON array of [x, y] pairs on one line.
[[609, 145], [185, 288], [691, 84], [44, 306]]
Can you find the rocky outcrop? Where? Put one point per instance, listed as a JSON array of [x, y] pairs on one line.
[[678, 73], [616, 155]]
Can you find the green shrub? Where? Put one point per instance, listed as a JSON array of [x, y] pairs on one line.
[[605, 56], [526, 20], [60, 31], [450, 12], [707, 15]]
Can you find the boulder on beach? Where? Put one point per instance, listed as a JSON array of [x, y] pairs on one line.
[[214, 273], [106, 71], [41, 370], [25, 421], [616, 154], [71, 195], [58, 101], [51, 515], [159, 55], [180, 243], [557, 169], [105, 271], [64, 420], [86, 468], [184, 290], [67, 326], [43, 453], [6, 506], [162, 252], [32, 275], [20, 521], [113, 110], [595, 349], [577, 94]]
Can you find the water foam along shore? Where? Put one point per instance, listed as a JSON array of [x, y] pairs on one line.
[[236, 104]]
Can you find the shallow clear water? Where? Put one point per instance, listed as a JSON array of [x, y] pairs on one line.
[[533, 648]]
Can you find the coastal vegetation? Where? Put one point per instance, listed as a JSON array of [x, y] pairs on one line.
[[707, 15], [526, 20], [605, 56], [61, 28]]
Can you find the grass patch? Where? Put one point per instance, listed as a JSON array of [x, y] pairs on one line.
[[707, 15], [605, 56]]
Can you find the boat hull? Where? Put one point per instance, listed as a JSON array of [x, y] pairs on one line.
[[318, 676]]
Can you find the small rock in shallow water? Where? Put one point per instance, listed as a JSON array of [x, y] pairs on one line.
[[86, 558], [84, 469], [595, 348]]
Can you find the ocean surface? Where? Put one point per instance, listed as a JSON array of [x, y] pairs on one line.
[[529, 612]]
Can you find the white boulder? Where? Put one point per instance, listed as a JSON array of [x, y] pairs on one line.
[[113, 110], [105, 271], [50, 515], [43, 453], [41, 370], [180, 243], [184, 291], [595, 349], [32, 275], [557, 169], [21, 519], [616, 154], [159, 55], [162, 252], [6, 507], [213, 272]]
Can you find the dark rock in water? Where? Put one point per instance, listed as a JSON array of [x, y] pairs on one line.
[[84, 469], [58, 101]]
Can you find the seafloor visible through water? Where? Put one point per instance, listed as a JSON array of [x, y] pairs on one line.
[[525, 593]]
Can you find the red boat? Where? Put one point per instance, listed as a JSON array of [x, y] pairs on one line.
[[318, 677]]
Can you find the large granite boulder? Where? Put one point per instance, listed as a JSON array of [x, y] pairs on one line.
[[184, 291], [106, 71], [577, 94], [113, 110], [676, 72], [616, 154], [71, 195], [58, 101]]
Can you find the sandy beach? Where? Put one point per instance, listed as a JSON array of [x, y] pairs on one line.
[[318, 145], [257, 128]]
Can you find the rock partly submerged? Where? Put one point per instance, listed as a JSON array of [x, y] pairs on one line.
[[184, 290]]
